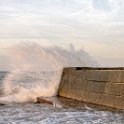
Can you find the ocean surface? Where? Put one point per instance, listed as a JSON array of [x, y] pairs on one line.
[[34, 113]]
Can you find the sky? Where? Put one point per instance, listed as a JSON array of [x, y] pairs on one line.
[[95, 25]]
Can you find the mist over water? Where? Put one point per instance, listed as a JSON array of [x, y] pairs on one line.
[[36, 70]]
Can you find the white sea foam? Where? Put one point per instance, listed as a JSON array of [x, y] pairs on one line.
[[37, 70]]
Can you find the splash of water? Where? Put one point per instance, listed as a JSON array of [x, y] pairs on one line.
[[37, 70]]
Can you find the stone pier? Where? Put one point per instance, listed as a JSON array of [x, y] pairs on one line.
[[103, 86]]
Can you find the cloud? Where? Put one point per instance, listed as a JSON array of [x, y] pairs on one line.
[[102, 5], [61, 21]]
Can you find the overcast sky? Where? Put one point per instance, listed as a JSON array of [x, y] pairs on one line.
[[95, 25]]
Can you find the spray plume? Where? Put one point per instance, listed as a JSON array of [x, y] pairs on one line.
[[37, 70]]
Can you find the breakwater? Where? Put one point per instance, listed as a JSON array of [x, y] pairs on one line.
[[103, 86]]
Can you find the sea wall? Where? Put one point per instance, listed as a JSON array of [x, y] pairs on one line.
[[104, 86]]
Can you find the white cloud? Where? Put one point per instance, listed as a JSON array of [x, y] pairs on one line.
[[102, 5], [93, 22], [32, 18]]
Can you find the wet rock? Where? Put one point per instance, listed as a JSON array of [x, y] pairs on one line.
[[49, 100]]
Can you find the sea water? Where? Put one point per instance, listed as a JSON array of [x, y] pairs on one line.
[[31, 113]]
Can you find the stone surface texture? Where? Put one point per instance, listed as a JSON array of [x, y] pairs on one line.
[[103, 86]]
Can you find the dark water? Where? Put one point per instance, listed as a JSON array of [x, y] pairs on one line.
[[31, 113]]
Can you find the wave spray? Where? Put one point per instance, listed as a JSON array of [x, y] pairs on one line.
[[36, 70]]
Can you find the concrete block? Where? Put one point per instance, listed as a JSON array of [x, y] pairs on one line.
[[116, 89], [104, 75]]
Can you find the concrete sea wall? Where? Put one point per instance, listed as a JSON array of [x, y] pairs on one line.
[[104, 86]]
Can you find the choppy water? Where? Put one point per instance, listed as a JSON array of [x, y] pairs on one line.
[[44, 114], [30, 113]]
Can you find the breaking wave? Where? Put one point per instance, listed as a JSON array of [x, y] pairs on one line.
[[36, 70]]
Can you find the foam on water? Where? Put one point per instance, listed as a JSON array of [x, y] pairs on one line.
[[36, 70]]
